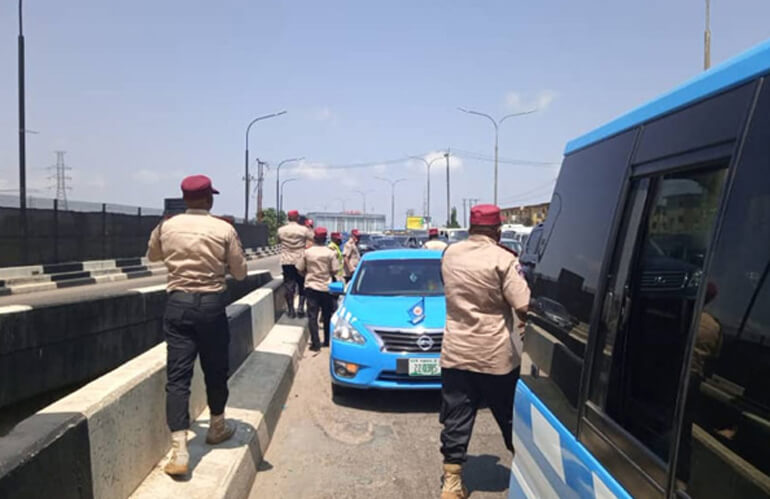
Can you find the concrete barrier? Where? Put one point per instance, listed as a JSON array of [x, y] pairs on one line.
[[55, 346], [104, 439]]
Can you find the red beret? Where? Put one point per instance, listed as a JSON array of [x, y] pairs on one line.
[[336, 235], [485, 214], [308, 222], [320, 232], [197, 185], [355, 232], [293, 213], [433, 231]]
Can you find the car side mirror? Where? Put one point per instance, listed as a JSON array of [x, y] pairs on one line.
[[337, 288]]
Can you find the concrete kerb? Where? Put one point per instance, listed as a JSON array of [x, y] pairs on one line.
[[123, 413]]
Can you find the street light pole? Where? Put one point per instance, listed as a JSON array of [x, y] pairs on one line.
[[277, 183], [363, 195], [448, 208], [392, 198], [280, 204], [707, 38], [246, 177], [427, 166], [496, 124], [22, 126]]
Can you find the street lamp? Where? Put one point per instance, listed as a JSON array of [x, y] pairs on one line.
[[22, 128], [707, 38], [246, 176], [280, 204], [278, 180], [363, 195], [392, 199], [496, 125], [428, 165]]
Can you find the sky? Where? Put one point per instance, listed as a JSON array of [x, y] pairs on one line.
[[141, 93]]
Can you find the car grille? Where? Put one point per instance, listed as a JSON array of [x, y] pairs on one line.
[[406, 341], [663, 279], [394, 376]]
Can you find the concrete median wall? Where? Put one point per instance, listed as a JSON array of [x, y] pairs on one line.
[[55, 346], [105, 438]]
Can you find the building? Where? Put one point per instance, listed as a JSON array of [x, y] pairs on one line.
[[525, 215], [349, 220]]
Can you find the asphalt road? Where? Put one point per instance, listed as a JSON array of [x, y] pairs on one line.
[[79, 293], [374, 444]]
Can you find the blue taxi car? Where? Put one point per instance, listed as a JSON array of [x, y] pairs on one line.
[[388, 328]]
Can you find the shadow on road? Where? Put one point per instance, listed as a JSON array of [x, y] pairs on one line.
[[485, 474], [390, 401]]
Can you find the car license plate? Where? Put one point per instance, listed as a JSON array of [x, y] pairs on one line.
[[424, 367]]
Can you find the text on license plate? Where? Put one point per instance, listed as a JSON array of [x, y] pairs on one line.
[[424, 367]]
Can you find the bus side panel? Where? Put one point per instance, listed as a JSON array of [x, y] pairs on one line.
[[549, 462]]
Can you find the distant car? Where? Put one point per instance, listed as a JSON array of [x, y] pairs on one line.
[[366, 243], [382, 243], [514, 245], [388, 329], [455, 235]]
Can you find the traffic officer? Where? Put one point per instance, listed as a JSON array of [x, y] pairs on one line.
[[351, 255], [335, 245], [484, 290], [320, 266], [433, 242], [293, 238], [198, 250]]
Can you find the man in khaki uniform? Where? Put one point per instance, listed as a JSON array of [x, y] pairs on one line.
[[198, 250], [433, 242], [294, 239], [350, 255], [483, 289], [319, 264]]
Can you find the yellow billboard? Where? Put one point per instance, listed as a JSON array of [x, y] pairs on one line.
[[415, 223]]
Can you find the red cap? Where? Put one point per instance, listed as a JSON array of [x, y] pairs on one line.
[[320, 232], [308, 222], [336, 235], [355, 232], [485, 214], [197, 185], [293, 213], [433, 231]]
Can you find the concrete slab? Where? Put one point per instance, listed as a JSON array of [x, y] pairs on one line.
[[258, 391]]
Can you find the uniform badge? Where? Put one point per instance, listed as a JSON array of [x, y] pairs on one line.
[[417, 312]]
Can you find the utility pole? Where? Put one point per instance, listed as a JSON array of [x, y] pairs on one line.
[[260, 181], [60, 175], [246, 177], [392, 198], [278, 183], [448, 207], [707, 38], [465, 212], [22, 127]]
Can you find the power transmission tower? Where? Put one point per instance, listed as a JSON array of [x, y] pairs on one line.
[[60, 175]]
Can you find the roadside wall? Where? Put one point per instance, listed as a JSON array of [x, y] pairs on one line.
[[104, 439], [55, 346]]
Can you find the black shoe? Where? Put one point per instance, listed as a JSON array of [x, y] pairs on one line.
[[301, 314], [326, 344], [315, 348], [291, 314]]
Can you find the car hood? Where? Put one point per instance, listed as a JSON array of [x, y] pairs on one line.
[[393, 311]]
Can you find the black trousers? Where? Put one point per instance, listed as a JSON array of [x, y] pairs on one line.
[[293, 280], [323, 302], [195, 323], [462, 392]]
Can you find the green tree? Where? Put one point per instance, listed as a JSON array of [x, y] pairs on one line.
[[272, 222], [453, 220]]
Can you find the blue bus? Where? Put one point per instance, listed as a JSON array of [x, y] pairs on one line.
[[646, 368]]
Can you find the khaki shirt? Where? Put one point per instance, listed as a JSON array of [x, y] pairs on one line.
[[293, 238], [435, 244], [350, 256], [198, 250], [482, 285], [320, 266]]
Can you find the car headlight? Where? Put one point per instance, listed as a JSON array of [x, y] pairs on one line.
[[695, 279], [344, 331]]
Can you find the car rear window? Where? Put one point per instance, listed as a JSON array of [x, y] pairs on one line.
[[399, 278]]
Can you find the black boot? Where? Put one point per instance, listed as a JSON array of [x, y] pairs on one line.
[[301, 308], [290, 306]]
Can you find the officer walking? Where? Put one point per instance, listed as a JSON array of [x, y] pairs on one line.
[[198, 250], [433, 242], [483, 290], [335, 245], [351, 255], [293, 238], [320, 266]]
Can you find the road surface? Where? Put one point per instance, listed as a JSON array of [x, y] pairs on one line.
[[79, 293], [377, 444]]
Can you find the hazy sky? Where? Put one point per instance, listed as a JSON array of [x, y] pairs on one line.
[[141, 93]]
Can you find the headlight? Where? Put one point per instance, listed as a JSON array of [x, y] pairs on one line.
[[344, 331], [695, 279]]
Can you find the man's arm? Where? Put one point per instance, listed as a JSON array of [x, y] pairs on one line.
[[301, 265], [516, 290], [236, 261], [154, 249]]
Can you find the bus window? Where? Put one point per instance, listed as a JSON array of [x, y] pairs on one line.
[[724, 446]]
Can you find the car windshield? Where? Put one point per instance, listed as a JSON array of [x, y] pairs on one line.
[[399, 278], [458, 235], [510, 243], [364, 239], [388, 242], [508, 234]]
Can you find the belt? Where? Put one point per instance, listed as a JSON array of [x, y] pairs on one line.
[[195, 298]]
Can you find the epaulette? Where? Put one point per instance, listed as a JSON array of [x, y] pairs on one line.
[[509, 250]]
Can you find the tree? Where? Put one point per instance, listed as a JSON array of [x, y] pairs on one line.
[[272, 222], [453, 220]]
